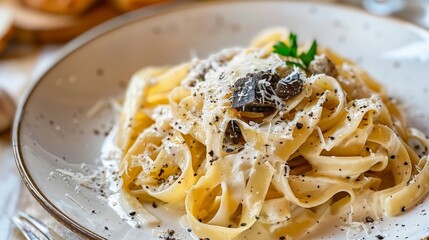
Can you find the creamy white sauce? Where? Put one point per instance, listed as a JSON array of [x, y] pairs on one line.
[[167, 216]]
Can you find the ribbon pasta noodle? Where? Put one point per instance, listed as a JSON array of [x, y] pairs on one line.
[[267, 157]]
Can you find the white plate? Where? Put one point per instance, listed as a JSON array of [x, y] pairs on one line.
[[52, 130]]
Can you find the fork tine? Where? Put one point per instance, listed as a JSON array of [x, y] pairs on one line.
[[35, 222], [40, 226], [25, 229]]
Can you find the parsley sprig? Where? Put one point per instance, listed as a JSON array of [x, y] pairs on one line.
[[302, 60]]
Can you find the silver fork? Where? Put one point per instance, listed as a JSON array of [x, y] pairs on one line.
[[28, 225]]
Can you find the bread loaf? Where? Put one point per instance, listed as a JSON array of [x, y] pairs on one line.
[[40, 27], [7, 111], [60, 6], [6, 26], [128, 5]]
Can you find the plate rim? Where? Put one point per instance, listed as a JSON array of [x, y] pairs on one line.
[[103, 29]]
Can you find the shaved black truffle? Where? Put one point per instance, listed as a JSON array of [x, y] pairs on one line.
[[268, 107], [233, 133], [251, 92], [290, 86]]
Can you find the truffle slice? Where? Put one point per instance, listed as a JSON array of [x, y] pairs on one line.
[[252, 92], [233, 133], [290, 86]]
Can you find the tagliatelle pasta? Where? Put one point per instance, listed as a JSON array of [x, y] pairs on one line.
[[249, 142]]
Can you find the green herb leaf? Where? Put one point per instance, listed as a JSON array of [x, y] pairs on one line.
[[281, 48], [307, 57], [303, 60], [292, 63], [293, 45]]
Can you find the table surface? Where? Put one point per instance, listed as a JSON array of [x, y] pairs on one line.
[[22, 65]]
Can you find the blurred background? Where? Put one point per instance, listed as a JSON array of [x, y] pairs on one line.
[[32, 31]]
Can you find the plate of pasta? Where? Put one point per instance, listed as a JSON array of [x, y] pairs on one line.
[[205, 124]]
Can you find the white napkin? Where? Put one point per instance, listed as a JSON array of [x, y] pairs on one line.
[[16, 76], [10, 184]]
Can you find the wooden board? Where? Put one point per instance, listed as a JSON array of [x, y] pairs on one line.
[[40, 27]]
